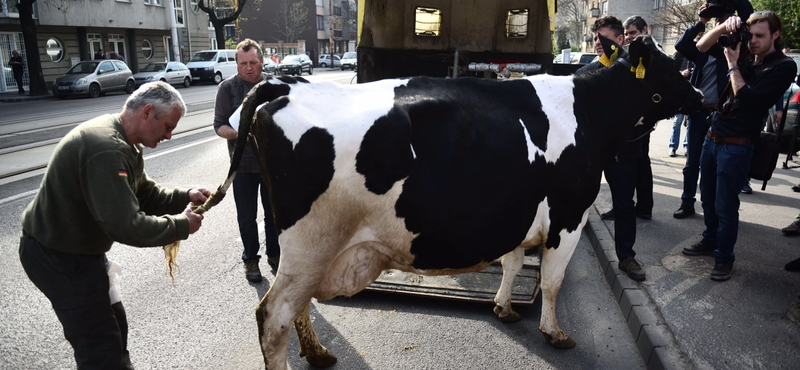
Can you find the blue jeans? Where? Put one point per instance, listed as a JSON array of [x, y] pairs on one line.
[[695, 134], [246, 188], [724, 170], [77, 287], [621, 177], [676, 133]]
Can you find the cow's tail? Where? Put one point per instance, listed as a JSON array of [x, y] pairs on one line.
[[252, 100]]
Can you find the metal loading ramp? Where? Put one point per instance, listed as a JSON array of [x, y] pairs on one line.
[[474, 287]]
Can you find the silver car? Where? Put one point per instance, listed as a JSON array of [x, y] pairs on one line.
[[173, 73], [94, 78]]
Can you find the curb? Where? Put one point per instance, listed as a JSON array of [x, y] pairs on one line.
[[24, 98], [655, 342]]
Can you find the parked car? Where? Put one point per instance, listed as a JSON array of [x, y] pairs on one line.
[[174, 73], [270, 66], [296, 64], [325, 60], [94, 78], [349, 60], [576, 58], [212, 65]]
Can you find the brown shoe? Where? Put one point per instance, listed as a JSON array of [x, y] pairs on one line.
[[633, 268], [251, 271]]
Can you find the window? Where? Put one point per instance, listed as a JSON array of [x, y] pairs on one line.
[[320, 22], [605, 7], [153, 2], [121, 65], [195, 6], [55, 49], [427, 21], [517, 23], [147, 49], [106, 67], [9, 8], [178, 5]]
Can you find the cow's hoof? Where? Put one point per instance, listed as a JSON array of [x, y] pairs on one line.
[[509, 317], [321, 359], [564, 343]]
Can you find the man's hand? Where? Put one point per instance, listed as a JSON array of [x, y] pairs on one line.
[[199, 196], [686, 73], [732, 24], [702, 8], [776, 118], [195, 220], [732, 55]]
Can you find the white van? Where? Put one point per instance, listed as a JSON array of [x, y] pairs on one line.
[[212, 65]]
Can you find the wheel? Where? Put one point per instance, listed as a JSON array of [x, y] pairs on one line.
[[187, 82], [94, 90], [343, 68], [218, 78], [323, 65], [130, 86], [310, 71]]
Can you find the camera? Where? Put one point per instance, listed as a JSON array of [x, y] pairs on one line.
[[718, 8], [731, 39]]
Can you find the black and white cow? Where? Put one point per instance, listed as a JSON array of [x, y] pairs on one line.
[[439, 176]]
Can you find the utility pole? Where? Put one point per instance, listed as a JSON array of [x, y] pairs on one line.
[[330, 26]]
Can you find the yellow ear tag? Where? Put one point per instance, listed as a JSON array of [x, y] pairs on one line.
[[606, 61], [640, 70]]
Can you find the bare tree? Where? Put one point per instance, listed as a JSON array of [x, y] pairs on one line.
[[290, 20], [568, 21], [220, 13], [675, 16]]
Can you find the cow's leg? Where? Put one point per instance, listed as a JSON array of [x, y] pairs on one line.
[[512, 264], [310, 348], [554, 263], [286, 300]]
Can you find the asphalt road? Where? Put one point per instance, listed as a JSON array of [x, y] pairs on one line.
[[206, 320]]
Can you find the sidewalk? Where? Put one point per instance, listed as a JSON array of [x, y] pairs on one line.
[[681, 319]]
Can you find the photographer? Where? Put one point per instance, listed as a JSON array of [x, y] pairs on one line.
[[710, 77], [754, 85]]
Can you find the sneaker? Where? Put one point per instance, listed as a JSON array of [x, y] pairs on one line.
[[701, 248], [793, 228], [251, 271], [722, 270], [633, 268], [672, 153], [746, 189], [608, 215], [796, 188]]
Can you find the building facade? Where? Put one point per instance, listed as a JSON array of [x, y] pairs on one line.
[[137, 31], [265, 25]]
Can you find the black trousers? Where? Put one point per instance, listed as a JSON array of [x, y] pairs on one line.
[[18, 78], [77, 287], [621, 178]]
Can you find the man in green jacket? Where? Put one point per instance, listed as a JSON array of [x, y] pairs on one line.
[[95, 193]]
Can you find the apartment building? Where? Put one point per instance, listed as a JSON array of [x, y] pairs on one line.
[[141, 31]]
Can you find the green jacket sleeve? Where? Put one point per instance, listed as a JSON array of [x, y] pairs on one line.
[[108, 185]]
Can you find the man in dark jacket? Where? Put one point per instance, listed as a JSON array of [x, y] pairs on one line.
[[708, 75], [621, 171]]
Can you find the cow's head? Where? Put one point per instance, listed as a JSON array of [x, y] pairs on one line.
[[669, 92]]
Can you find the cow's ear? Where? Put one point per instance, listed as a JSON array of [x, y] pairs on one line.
[[640, 56], [610, 50]]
